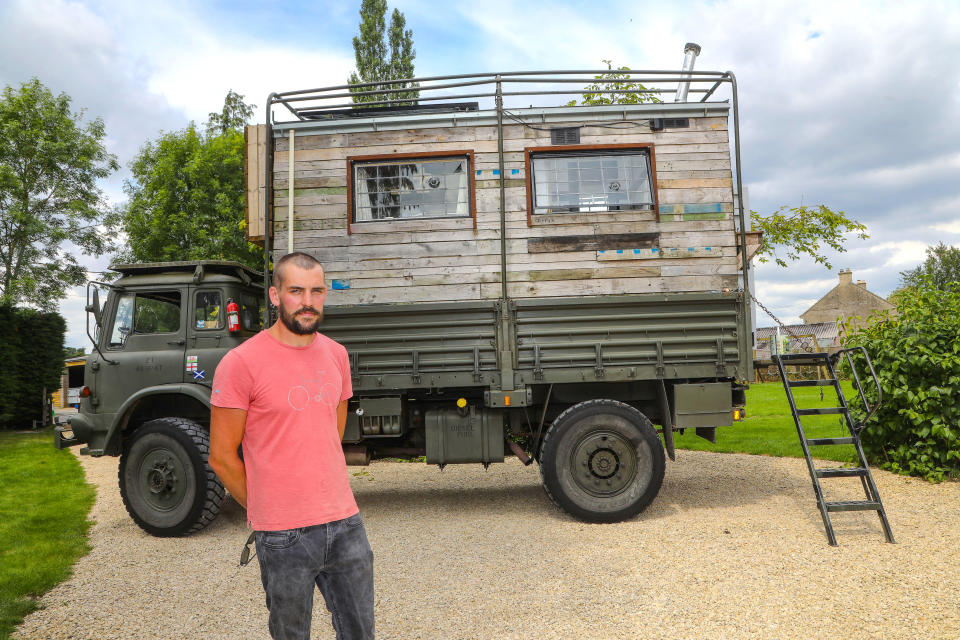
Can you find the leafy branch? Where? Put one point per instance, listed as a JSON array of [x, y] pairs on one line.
[[624, 90], [804, 231]]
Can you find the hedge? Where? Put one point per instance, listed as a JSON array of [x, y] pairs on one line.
[[31, 344]]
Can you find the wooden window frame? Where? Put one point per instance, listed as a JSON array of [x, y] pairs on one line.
[[529, 152], [400, 157]]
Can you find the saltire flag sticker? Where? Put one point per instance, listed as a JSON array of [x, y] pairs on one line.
[[199, 375]]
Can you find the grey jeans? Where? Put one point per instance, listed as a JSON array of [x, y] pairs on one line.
[[336, 557]]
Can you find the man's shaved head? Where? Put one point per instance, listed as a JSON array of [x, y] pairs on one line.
[[297, 258]]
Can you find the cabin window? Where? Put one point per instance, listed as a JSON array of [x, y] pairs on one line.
[[585, 181], [208, 314], [411, 188], [145, 313]]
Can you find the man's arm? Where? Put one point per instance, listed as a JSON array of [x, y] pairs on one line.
[[226, 433], [342, 418]]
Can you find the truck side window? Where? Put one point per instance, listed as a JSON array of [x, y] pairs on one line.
[[145, 313], [157, 312], [209, 314], [251, 312]]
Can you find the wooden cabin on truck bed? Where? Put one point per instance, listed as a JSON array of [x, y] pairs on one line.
[[506, 276]]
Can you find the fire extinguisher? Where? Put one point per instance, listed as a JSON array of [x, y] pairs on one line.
[[233, 316]]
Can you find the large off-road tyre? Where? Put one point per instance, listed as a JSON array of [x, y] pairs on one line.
[[166, 482], [602, 461]]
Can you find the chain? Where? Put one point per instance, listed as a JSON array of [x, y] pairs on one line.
[[799, 340]]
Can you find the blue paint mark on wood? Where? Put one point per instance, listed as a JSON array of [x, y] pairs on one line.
[[339, 285], [710, 207]]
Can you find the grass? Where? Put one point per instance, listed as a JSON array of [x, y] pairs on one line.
[[768, 428], [45, 501]]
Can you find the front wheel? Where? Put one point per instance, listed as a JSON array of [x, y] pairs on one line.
[[602, 461], [166, 483]]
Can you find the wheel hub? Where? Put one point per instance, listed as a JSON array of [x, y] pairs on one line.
[[606, 463], [162, 479]]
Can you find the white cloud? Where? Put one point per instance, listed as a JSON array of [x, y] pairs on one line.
[[948, 227], [908, 252]]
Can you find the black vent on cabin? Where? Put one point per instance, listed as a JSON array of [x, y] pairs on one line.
[[659, 124], [565, 135], [373, 112]]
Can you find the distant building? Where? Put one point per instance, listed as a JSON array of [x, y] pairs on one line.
[[71, 381], [846, 300], [819, 331]]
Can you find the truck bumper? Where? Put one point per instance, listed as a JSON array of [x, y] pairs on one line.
[[63, 437], [77, 431]]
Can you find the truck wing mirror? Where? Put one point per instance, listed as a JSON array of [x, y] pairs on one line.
[[94, 307]]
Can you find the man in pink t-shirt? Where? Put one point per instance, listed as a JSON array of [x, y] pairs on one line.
[[283, 395]]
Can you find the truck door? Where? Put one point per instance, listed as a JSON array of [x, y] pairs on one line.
[[145, 339], [207, 337]]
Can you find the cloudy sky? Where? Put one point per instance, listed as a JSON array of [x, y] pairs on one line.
[[855, 105]]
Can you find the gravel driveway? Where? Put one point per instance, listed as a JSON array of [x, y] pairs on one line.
[[732, 548]]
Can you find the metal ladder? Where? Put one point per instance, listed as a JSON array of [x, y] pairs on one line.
[[862, 471]]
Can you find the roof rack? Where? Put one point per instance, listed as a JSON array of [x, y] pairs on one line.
[[198, 267], [443, 92]]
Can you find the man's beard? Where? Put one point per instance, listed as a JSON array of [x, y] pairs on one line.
[[300, 326]]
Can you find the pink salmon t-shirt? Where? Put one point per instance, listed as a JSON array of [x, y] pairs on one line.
[[296, 472]]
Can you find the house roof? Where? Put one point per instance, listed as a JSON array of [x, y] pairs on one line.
[[846, 284]]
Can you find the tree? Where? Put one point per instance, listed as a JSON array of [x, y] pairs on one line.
[[233, 117], [49, 167], [941, 267], [187, 194], [73, 352], [804, 231], [624, 90], [370, 49]]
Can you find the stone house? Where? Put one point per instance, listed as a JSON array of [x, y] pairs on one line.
[[846, 300]]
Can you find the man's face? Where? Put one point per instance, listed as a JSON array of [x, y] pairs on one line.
[[300, 298]]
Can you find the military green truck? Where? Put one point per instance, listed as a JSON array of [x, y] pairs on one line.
[[564, 284]]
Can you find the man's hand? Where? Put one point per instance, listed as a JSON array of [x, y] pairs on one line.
[[226, 433]]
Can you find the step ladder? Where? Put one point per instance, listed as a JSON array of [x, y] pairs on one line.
[[827, 361]]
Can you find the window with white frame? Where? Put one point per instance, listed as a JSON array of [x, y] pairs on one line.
[[411, 188], [583, 181]]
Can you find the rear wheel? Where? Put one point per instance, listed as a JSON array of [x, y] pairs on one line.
[[602, 461], [166, 482]]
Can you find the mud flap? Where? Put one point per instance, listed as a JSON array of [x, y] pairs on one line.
[[666, 420]]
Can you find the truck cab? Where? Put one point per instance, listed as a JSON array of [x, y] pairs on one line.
[[158, 339]]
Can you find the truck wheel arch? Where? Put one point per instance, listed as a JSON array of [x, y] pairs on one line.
[[168, 400]]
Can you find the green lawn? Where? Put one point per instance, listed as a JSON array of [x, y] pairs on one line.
[[44, 502], [768, 428]]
